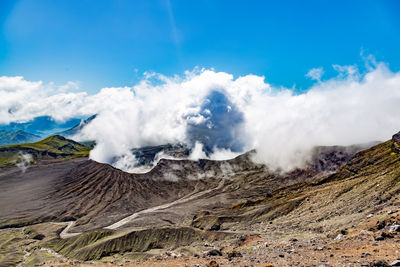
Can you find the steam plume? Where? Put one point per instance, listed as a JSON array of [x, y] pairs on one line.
[[219, 115]]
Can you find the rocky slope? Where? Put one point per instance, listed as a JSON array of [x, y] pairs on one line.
[[232, 205]]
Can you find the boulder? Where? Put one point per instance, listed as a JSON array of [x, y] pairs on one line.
[[215, 227], [214, 252], [394, 228], [380, 225], [379, 263]]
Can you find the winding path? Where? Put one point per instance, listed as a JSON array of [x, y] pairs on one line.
[[162, 207], [65, 234]]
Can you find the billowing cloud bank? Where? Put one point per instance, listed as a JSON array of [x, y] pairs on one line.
[[223, 115]]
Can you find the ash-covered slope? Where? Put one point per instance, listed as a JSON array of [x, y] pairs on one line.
[[95, 194], [250, 200], [102, 194], [181, 202], [98, 195]]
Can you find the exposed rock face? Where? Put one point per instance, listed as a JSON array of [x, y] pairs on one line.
[[396, 143], [330, 158]]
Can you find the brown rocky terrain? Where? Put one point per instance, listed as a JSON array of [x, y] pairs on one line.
[[342, 209]]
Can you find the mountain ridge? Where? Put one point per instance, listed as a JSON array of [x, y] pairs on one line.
[[9, 137]]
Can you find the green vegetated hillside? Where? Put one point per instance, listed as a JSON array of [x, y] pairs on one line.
[[53, 147]]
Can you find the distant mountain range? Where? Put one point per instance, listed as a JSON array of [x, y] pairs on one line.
[[18, 137], [42, 126], [39, 128]]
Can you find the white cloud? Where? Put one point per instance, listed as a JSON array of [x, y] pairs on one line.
[[22, 100], [282, 125], [315, 73]]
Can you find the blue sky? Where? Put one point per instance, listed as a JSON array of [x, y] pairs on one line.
[[111, 43]]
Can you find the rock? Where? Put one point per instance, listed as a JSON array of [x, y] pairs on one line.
[[293, 240], [314, 240], [240, 241], [396, 143], [196, 265], [379, 238], [394, 228], [380, 225], [379, 263], [39, 237], [387, 235], [396, 263], [365, 254], [215, 227], [214, 252], [281, 256], [234, 254], [343, 232], [319, 248], [340, 237], [212, 264]]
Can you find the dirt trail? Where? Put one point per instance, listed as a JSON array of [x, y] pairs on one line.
[[64, 234], [184, 199]]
